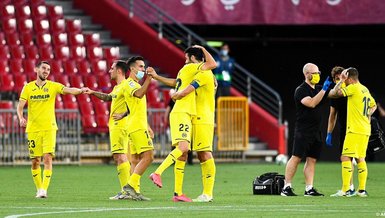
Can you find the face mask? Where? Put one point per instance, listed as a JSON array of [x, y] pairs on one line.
[[224, 52], [315, 78], [139, 75]]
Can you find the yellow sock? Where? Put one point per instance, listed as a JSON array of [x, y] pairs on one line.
[[135, 182], [179, 175], [123, 173], [208, 176], [36, 176], [46, 178], [362, 175], [346, 175], [170, 159]]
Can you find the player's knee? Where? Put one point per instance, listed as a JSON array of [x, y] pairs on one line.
[[35, 163], [183, 157], [204, 156], [183, 146]]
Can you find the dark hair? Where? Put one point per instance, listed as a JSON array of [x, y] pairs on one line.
[[353, 73], [42, 62], [122, 65], [336, 71], [133, 59], [197, 52]]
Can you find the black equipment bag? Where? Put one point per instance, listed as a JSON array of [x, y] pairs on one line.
[[377, 138], [268, 184]]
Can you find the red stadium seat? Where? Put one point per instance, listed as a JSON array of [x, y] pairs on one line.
[[83, 99], [4, 68], [6, 83], [9, 25], [69, 102], [63, 79], [41, 26], [104, 83], [12, 38], [55, 12], [25, 25], [60, 40], [92, 39], [26, 39], [62, 53], [59, 103], [45, 53], [111, 53], [39, 12], [56, 67], [16, 66], [17, 52], [69, 67], [89, 124], [102, 122], [86, 108], [44, 39], [76, 81], [101, 108], [5, 2], [58, 26], [99, 67], [76, 39], [73, 26], [19, 3], [20, 81], [94, 53], [2, 39], [29, 65], [78, 52], [23, 12], [7, 11], [83, 67], [31, 52], [91, 82], [34, 3], [6, 105], [4, 52]]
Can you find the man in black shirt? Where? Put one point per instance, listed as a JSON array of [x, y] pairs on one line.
[[307, 133]]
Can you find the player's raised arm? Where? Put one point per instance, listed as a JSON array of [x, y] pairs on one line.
[[210, 62]]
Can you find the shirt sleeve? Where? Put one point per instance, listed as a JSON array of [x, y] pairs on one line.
[[59, 88], [24, 93], [132, 87], [300, 93]]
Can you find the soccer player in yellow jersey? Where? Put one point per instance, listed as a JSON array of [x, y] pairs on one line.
[[118, 126], [41, 125], [181, 117], [204, 85], [361, 106]]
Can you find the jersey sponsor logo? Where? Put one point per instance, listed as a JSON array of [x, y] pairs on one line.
[[39, 97]]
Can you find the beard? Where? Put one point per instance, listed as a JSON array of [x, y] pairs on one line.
[[42, 78]]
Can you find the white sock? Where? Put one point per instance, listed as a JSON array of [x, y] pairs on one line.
[[308, 187], [351, 187], [287, 185]]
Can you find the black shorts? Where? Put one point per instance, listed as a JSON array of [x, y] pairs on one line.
[[307, 145]]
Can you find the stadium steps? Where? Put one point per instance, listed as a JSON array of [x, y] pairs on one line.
[[259, 150], [89, 27]]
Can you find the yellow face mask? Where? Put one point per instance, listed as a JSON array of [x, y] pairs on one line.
[[343, 85], [315, 78]]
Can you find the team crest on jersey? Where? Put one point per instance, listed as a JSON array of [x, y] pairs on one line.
[[184, 135], [131, 84], [45, 90]]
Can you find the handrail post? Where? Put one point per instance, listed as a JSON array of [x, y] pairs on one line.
[[131, 10], [160, 26], [249, 89]]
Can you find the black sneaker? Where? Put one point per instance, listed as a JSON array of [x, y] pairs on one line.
[[313, 192], [288, 191]]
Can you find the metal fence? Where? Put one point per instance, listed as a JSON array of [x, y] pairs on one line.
[[13, 141]]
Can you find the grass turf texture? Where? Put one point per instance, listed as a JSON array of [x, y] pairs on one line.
[[83, 191]]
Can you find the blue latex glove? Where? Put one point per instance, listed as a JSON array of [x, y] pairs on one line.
[[329, 140], [326, 84]]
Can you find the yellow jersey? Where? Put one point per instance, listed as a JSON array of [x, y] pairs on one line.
[[137, 107], [119, 106], [359, 102], [41, 105], [205, 87], [185, 77]]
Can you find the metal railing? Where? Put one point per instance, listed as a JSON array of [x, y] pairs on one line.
[[167, 27], [13, 141]]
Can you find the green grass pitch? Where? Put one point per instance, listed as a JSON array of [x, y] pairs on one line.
[[83, 191]]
